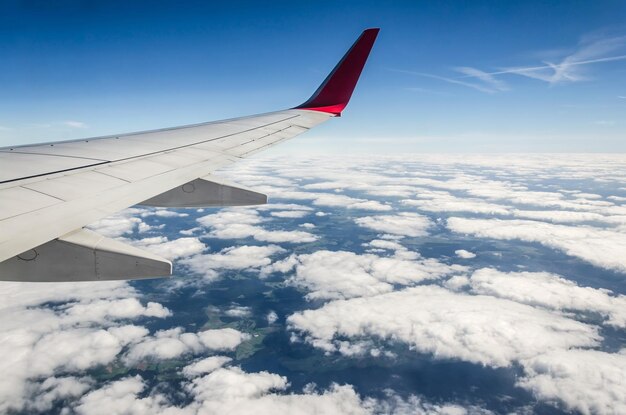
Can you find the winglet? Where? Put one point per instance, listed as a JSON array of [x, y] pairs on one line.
[[335, 92]]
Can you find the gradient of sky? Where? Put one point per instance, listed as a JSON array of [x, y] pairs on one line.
[[85, 68]]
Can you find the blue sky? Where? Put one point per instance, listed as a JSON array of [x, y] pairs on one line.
[[443, 76]]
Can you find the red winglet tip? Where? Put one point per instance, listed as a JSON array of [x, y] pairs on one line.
[[334, 93]]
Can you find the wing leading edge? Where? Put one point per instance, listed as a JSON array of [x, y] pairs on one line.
[[50, 191]]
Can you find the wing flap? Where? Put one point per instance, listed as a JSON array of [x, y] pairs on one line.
[[84, 255], [208, 191]]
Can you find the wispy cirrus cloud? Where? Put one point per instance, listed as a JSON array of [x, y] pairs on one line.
[[474, 85], [61, 124], [488, 79], [572, 67], [605, 123], [74, 124]]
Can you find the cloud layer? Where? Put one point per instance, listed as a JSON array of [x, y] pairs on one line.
[[361, 262]]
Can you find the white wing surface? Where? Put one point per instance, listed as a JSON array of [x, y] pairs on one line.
[[50, 191]]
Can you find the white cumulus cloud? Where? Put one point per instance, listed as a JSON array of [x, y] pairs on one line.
[[342, 274], [603, 248], [429, 319], [550, 291], [407, 224], [586, 381]]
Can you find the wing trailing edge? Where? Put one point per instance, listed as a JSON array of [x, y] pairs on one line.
[[90, 256], [209, 191]]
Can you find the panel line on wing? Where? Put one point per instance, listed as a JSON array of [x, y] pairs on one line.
[[49, 154], [265, 136], [53, 172], [110, 175], [143, 132], [210, 139], [142, 155], [43, 193]]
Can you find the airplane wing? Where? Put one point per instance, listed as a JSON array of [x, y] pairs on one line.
[[50, 191]]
